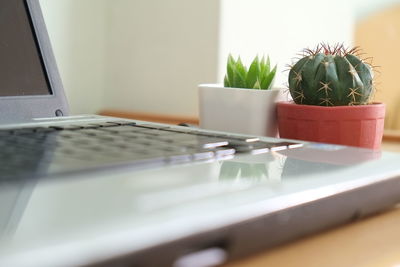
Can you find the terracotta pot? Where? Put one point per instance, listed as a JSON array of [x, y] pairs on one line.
[[360, 126]]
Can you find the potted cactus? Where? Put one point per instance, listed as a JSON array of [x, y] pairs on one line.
[[246, 103], [332, 87]]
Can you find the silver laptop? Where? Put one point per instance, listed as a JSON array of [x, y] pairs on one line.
[[101, 191]]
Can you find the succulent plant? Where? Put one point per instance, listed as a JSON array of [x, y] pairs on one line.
[[259, 76], [331, 76]]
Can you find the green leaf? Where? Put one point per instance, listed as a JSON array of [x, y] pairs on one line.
[[230, 70], [257, 85], [268, 65], [226, 81], [239, 79], [265, 69], [262, 68], [267, 82], [240, 67], [253, 73]]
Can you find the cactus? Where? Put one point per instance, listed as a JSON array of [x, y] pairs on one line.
[[331, 76], [259, 76]]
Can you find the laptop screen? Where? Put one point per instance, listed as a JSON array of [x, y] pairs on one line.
[[22, 71]]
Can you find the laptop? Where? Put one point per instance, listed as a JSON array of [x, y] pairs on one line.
[[101, 191]]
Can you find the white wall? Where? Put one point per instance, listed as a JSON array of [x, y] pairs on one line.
[[158, 51], [77, 30], [142, 55], [363, 8], [280, 29]]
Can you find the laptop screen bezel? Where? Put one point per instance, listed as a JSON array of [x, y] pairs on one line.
[[14, 109]]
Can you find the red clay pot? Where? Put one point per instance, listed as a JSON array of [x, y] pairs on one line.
[[360, 126]]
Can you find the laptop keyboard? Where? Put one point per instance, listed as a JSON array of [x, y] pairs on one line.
[[43, 151]]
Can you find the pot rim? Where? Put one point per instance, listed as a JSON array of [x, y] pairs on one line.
[[292, 110], [326, 108], [221, 86]]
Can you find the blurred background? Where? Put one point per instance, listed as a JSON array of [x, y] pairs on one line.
[[148, 56]]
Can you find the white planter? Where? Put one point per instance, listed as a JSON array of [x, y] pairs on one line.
[[238, 110]]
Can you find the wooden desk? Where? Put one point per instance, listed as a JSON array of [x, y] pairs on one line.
[[370, 242], [150, 117]]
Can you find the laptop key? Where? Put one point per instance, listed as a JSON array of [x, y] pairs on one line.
[[223, 152], [65, 127], [203, 155], [257, 147], [292, 145], [92, 132], [278, 146], [120, 123], [179, 158], [119, 129], [150, 126], [230, 137], [24, 131], [247, 139], [5, 133]]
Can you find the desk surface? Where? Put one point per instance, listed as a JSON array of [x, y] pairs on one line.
[[371, 242]]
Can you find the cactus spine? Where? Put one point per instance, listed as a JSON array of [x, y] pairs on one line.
[[331, 76]]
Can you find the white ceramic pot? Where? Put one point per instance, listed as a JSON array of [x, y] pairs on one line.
[[239, 110]]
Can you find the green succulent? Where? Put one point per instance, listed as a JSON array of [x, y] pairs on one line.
[[259, 76], [331, 76]]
